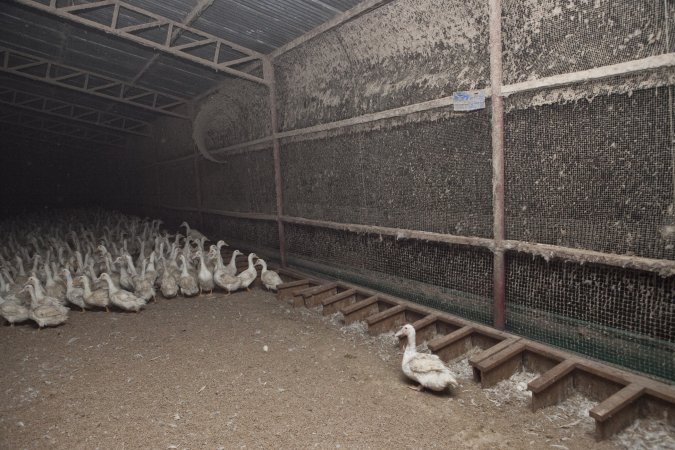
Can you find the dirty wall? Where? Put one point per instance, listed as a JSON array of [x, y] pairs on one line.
[[589, 166]]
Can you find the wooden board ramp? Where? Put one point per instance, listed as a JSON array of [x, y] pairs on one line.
[[622, 396]]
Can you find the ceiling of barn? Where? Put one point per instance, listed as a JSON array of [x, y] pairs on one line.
[[29, 36]]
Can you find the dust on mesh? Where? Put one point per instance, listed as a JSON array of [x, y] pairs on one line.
[[379, 176], [545, 38], [242, 183], [259, 234], [618, 315], [604, 180], [456, 279]]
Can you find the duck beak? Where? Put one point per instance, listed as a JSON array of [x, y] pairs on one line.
[[399, 333]]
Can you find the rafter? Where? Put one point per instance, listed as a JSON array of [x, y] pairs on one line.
[[108, 21], [51, 126], [187, 21], [71, 111], [41, 69]]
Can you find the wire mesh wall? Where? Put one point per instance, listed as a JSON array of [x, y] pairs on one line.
[[256, 234], [593, 174], [614, 314], [243, 183], [427, 173], [588, 166], [453, 278]]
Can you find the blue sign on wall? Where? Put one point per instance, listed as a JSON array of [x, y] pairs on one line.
[[468, 100]]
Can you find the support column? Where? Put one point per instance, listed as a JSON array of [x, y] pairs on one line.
[[195, 168], [268, 74], [497, 102]]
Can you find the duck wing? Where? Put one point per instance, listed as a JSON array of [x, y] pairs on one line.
[[426, 363]]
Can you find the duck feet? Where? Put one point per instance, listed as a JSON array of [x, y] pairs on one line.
[[418, 388]]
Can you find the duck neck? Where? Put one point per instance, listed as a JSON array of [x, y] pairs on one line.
[[85, 286], [111, 286], [22, 271], [69, 281], [411, 346], [250, 261]]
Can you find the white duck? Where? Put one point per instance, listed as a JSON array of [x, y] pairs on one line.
[[97, 297], [269, 278], [192, 233], [427, 369], [45, 314], [121, 298], [204, 276], [168, 285], [13, 310], [231, 268], [223, 279], [249, 275], [74, 295], [187, 283]]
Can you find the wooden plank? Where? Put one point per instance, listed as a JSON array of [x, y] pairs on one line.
[[359, 305], [475, 359], [498, 358], [500, 365], [387, 320], [331, 305], [319, 295], [452, 345], [361, 310], [605, 410], [314, 290], [553, 387], [552, 376], [285, 290], [617, 412]]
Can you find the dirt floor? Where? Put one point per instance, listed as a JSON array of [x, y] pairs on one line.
[[246, 371]]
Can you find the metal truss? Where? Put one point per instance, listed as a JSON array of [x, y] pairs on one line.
[[71, 111], [41, 69], [55, 127], [152, 30]]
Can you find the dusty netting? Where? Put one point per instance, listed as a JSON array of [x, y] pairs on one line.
[[429, 175], [241, 183], [545, 38], [255, 233], [452, 278], [594, 174], [617, 315]]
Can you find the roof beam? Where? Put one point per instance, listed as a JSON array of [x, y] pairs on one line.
[[71, 111], [59, 128], [187, 21], [41, 69], [162, 24]]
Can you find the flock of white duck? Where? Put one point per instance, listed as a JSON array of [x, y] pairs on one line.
[[98, 259]]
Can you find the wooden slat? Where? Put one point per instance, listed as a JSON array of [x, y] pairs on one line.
[[332, 304], [612, 405], [552, 376], [359, 305], [398, 309], [314, 290], [475, 359], [443, 341], [498, 358]]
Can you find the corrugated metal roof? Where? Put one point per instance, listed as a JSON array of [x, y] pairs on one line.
[[261, 25]]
